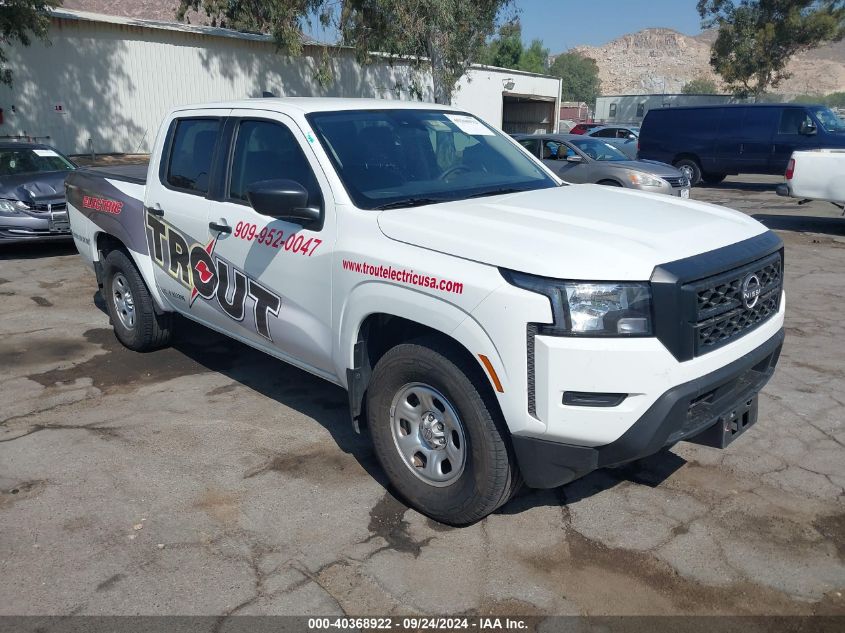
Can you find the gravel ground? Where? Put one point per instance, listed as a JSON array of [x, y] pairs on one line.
[[210, 479]]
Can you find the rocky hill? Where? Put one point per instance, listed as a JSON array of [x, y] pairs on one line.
[[663, 60]]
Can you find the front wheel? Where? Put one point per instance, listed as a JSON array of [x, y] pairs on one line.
[[136, 323], [438, 433], [690, 168]]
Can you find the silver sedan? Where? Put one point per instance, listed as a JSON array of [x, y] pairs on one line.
[[32, 193], [584, 159]]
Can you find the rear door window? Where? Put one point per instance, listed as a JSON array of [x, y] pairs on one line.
[[554, 150], [191, 152], [532, 145]]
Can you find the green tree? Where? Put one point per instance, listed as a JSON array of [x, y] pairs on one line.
[[448, 36], [700, 86], [809, 98], [445, 35], [579, 77], [835, 100], [505, 49], [535, 58], [20, 21], [757, 38], [283, 19]]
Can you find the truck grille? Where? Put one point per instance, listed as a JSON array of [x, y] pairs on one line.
[[56, 206], [679, 181], [722, 312]]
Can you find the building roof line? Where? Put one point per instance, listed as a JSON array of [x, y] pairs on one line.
[[216, 31], [181, 27]]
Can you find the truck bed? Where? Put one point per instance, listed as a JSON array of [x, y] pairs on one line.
[[129, 173], [817, 175]]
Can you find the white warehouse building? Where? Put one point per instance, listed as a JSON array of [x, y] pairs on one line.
[[633, 108], [103, 83]]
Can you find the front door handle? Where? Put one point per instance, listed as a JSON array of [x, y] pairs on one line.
[[156, 211], [220, 228]]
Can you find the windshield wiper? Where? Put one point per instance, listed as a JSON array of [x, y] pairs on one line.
[[496, 192], [408, 202]]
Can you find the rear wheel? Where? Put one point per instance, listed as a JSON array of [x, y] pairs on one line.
[[690, 169], [713, 179], [438, 433], [136, 323]]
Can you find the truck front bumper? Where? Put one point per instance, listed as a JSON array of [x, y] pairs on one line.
[[711, 409]]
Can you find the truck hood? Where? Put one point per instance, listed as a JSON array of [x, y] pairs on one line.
[[586, 232]]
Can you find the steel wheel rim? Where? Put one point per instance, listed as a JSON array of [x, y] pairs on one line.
[[428, 434], [124, 303], [687, 171]]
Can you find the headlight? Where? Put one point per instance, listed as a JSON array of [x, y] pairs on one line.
[[592, 308], [645, 180], [13, 207]]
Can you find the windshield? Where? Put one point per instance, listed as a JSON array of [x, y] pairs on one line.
[[401, 157], [830, 122], [30, 161], [597, 149]]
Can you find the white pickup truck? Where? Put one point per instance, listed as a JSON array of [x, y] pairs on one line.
[[816, 175], [491, 324]]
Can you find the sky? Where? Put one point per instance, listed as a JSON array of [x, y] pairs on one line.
[[564, 24]]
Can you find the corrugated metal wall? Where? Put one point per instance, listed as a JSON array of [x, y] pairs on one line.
[[112, 83]]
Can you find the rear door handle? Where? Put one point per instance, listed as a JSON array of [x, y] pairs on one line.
[[156, 211], [220, 228]]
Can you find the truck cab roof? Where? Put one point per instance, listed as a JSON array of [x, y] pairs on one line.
[[306, 105]]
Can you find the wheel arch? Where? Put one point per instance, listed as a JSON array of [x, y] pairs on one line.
[[105, 243], [687, 156], [378, 331]]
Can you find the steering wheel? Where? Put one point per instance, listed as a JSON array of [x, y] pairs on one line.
[[454, 169]]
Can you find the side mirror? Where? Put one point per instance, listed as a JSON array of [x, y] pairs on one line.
[[632, 137], [575, 158], [807, 129], [283, 199]]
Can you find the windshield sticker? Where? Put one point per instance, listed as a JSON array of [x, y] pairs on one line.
[[469, 125], [45, 152]]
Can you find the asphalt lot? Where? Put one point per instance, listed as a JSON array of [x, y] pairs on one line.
[[210, 479]]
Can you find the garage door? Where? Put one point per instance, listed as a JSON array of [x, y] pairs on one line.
[[527, 114]]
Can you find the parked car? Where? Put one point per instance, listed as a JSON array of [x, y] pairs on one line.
[[627, 146], [816, 175], [490, 324], [710, 142], [631, 132], [584, 159], [32, 193], [583, 128]]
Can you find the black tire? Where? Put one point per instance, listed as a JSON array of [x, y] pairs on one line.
[[149, 330], [713, 179], [489, 477], [691, 168], [609, 183]]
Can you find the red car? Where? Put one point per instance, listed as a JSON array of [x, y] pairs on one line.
[[583, 128]]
